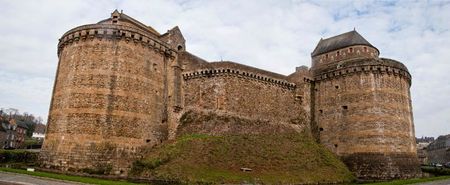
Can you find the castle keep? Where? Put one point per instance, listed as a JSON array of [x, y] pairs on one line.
[[121, 87]]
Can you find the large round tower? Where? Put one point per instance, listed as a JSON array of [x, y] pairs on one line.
[[362, 108], [110, 96]]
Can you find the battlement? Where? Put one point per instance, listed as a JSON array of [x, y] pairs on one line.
[[382, 66], [209, 73], [121, 87], [104, 31]]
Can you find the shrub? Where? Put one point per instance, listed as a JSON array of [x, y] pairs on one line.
[[18, 156]]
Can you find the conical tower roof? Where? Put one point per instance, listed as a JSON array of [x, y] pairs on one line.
[[340, 41]]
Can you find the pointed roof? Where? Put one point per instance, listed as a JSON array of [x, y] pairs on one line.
[[125, 18], [340, 41]]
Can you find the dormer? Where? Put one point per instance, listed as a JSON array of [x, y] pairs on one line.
[[175, 39], [115, 16], [122, 19], [346, 46]]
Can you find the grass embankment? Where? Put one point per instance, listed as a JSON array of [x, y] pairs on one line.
[[411, 181], [67, 177], [274, 159]]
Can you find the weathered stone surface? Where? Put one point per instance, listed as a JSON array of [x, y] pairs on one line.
[[122, 87], [364, 113]]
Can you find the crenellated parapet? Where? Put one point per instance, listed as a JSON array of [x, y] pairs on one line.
[[381, 66], [118, 32], [346, 53], [221, 72]]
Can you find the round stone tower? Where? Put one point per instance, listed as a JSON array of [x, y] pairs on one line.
[[110, 96], [362, 108]]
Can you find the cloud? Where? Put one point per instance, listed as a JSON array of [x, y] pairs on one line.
[[272, 35]]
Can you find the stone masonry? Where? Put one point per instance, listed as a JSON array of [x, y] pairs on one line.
[[122, 87]]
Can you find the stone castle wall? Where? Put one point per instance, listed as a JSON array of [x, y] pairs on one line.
[[351, 52], [244, 91], [121, 87], [108, 99], [364, 114]]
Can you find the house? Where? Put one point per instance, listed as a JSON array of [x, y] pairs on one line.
[[12, 133]]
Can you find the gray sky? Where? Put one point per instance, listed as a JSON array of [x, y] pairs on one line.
[[273, 35]]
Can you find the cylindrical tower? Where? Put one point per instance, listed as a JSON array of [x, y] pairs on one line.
[[109, 97], [362, 108]]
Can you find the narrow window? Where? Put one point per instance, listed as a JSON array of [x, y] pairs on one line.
[[337, 86], [115, 17], [299, 98], [321, 111], [326, 56], [338, 53], [365, 49], [345, 107], [321, 129], [351, 50], [335, 145]]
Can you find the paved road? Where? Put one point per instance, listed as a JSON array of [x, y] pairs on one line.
[[441, 182], [20, 179]]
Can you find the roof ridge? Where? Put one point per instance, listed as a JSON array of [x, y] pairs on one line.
[[340, 41]]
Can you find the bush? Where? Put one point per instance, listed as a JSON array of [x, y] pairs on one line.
[[18, 156], [436, 170], [100, 169]]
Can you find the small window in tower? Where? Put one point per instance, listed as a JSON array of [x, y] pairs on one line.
[[147, 141], [180, 47], [154, 67], [337, 86], [338, 53], [115, 17], [351, 50], [321, 111], [345, 107], [335, 145], [365, 49], [326, 55], [114, 21], [299, 98], [321, 129]]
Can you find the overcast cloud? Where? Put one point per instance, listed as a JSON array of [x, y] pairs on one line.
[[273, 35]]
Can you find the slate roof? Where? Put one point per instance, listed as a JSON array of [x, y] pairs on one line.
[[127, 18], [340, 41]]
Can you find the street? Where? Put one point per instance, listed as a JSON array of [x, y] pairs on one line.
[[20, 179]]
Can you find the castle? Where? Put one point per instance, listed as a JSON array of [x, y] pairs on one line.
[[121, 86]]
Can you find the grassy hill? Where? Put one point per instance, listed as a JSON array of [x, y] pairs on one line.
[[274, 159]]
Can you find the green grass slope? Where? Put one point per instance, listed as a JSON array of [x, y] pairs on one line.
[[274, 159]]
